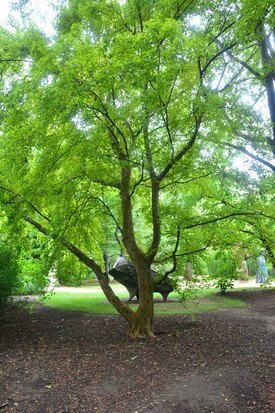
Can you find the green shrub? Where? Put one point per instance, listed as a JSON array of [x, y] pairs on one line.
[[9, 275], [33, 277]]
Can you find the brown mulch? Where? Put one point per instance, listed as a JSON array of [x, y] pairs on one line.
[[59, 361]]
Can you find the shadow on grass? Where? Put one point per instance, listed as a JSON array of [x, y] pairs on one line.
[[95, 302]]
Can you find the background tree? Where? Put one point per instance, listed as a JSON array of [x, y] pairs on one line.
[[246, 33]]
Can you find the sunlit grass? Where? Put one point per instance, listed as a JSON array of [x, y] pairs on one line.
[[92, 300]]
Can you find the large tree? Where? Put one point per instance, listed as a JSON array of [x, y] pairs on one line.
[[247, 67], [115, 123]]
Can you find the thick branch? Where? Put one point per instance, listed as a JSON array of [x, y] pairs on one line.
[[225, 49], [185, 182], [257, 158], [180, 11], [250, 138], [141, 179], [181, 153], [154, 197], [83, 257], [108, 209], [110, 123], [174, 257], [245, 65], [230, 82], [122, 308], [15, 194], [233, 215], [223, 30], [127, 214], [105, 183], [269, 81], [16, 60]]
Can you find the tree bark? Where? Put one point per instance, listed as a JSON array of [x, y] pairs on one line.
[[141, 322], [268, 79], [188, 271], [107, 265], [122, 308]]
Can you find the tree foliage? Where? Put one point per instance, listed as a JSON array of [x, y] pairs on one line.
[[9, 275], [129, 121]]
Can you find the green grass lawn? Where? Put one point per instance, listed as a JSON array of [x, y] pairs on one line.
[[95, 302]]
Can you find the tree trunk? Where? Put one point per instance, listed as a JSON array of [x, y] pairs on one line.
[[141, 322], [188, 271], [269, 79], [270, 254], [106, 264]]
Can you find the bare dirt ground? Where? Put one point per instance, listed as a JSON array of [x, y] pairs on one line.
[[222, 362]]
